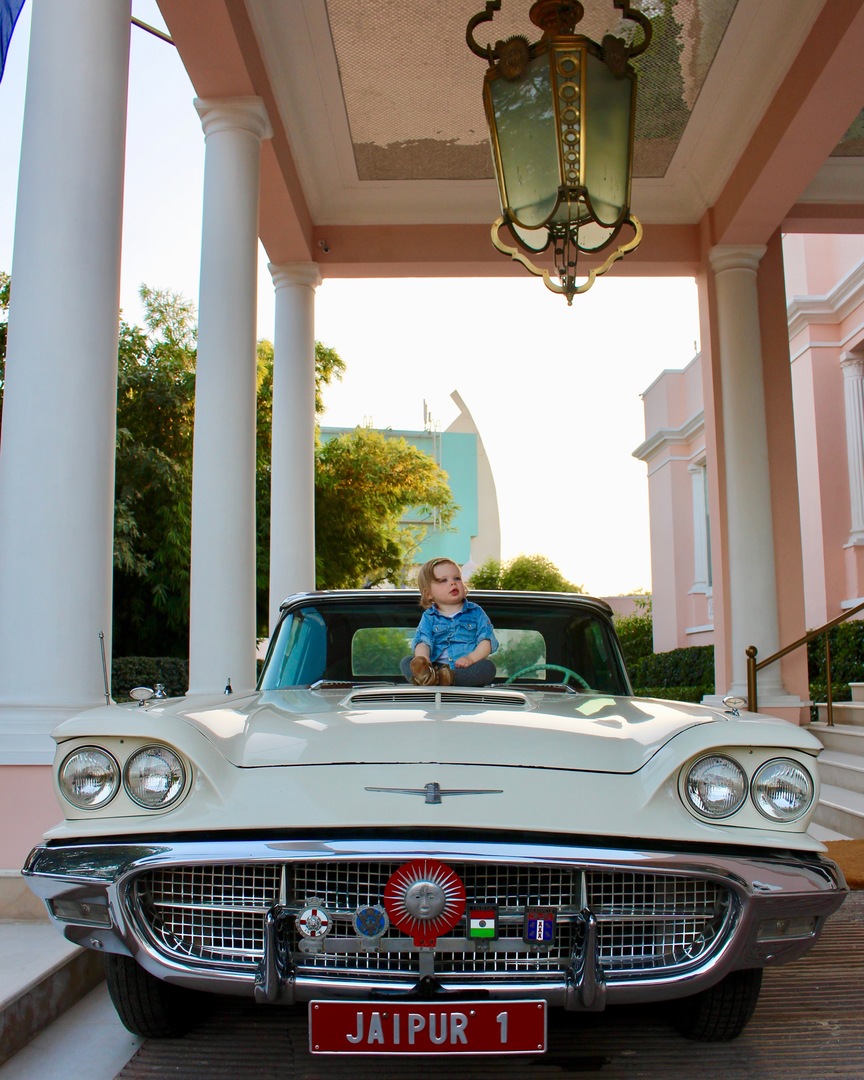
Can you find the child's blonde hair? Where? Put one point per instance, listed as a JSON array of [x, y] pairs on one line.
[[425, 577]]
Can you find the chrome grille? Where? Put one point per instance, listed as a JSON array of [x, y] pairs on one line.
[[208, 913], [648, 923]]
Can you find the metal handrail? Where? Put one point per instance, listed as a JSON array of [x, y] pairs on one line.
[[753, 667]]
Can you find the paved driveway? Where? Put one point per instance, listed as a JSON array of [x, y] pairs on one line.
[[809, 1025]]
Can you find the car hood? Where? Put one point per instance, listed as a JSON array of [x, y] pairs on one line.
[[586, 732]]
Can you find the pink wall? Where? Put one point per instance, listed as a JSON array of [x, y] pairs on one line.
[[822, 277], [826, 324], [29, 809], [675, 426]]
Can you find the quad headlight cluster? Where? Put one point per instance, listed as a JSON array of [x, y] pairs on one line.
[[153, 777], [781, 789]]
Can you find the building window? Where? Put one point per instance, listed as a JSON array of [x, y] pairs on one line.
[[701, 529]]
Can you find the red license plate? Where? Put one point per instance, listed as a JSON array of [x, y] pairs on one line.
[[427, 1027]]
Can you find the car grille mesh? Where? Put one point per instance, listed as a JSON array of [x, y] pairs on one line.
[[648, 923]]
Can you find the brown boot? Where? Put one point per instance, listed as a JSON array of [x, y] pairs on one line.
[[445, 674], [422, 672]]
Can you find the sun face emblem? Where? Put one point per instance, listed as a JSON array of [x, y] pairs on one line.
[[424, 899]]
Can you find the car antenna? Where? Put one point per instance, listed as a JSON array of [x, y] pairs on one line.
[[228, 687], [105, 681]]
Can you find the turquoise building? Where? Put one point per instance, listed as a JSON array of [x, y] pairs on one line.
[[474, 535]]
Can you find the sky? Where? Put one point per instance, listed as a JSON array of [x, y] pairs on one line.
[[554, 391]]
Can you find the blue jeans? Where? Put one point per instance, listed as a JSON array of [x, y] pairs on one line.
[[480, 674]]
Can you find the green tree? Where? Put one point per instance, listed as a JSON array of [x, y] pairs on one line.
[[377, 650], [364, 483], [636, 634], [153, 506], [153, 482], [525, 572]]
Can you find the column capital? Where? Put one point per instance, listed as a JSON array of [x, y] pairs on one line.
[[234, 114], [736, 257], [852, 364], [285, 274]]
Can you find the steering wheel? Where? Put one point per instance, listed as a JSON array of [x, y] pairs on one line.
[[566, 671]]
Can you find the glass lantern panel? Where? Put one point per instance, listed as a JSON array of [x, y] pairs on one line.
[[523, 116], [535, 240], [606, 115]]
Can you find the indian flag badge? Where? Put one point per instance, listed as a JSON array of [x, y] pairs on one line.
[[482, 922]]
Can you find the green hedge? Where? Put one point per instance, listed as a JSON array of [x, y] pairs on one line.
[[679, 675], [847, 661], [636, 634], [678, 667], [847, 653], [129, 671]]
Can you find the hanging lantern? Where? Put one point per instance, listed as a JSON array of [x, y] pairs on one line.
[[561, 114]]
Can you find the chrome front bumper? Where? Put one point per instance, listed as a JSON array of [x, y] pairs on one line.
[[775, 909]]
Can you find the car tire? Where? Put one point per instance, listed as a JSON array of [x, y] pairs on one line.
[[146, 1005], [721, 1012]]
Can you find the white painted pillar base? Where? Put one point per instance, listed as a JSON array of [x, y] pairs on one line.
[[59, 416], [752, 588], [222, 588], [292, 477]]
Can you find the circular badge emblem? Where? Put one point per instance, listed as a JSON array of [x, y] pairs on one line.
[[424, 899], [314, 920], [370, 921]]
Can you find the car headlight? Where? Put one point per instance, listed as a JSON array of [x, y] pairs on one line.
[[716, 786], [154, 777], [782, 789], [89, 778]]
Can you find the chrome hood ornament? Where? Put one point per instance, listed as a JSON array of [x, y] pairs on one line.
[[433, 792]]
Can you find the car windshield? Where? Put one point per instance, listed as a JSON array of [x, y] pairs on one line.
[[359, 641]]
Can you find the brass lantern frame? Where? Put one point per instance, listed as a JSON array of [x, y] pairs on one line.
[[568, 54]]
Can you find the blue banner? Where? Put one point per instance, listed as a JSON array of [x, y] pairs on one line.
[[9, 12]]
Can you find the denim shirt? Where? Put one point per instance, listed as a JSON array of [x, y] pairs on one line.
[[457, 636]]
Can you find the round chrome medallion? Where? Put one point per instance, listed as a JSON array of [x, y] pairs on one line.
[[424, 899], [370, 921], [314, 920]]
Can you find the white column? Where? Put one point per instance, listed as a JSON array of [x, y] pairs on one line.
[[59, 416], [752, 584], [853, 393], [292, 477], [222, 588]]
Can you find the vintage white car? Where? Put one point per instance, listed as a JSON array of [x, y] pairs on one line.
[[433, 867]]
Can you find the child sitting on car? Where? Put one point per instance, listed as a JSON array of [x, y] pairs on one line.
[[454, 638]]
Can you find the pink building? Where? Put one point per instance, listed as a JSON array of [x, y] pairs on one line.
[[825, 309]]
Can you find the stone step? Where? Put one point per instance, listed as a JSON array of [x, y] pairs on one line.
[[847, 738], [825, 836], [857, 689], [842, 770], [845, 712], [42, 974], [841, 810]]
